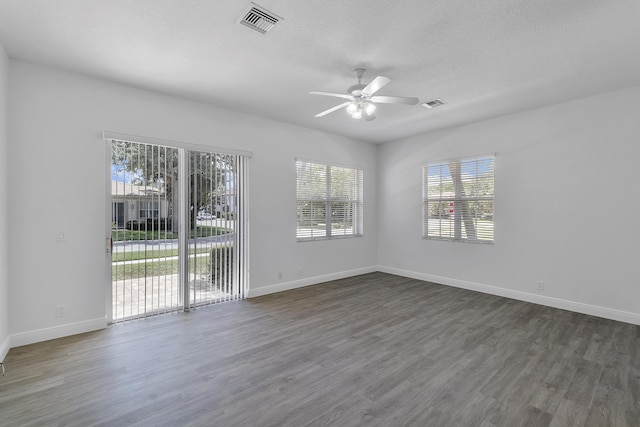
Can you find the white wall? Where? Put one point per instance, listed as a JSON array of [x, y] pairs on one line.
[[566, 206], [4, 203], [58, 161], [563, 174]]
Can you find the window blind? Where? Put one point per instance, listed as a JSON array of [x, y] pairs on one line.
[[179, 227], [329, 201], [458, 200]]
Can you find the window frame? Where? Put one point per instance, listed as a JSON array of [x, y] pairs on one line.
[[144, 210], [354, 204], [456, 202]]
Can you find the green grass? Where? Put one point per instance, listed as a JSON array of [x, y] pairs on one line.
[[138, 255], [128, 235], [155, 267], [136, 235], [146, 269], [209, 230]]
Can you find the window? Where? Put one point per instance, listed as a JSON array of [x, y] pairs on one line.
[[148, 210], [329, 201], [457, 200]]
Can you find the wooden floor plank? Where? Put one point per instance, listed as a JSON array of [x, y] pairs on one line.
[[374, 350]]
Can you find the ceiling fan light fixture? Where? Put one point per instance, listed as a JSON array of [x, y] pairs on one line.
[[369, 108], [362, 98]]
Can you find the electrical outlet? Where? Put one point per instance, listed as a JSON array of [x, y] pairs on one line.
[[280, 275], [60, 311], [540, 284], [61, 236]]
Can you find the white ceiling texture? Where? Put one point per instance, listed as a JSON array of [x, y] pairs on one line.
[[484, 58]]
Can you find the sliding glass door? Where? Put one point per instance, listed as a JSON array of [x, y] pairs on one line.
[[217, 250], [178, 230]]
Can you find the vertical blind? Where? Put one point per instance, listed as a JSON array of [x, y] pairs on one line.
[[144, 264], [458, 200], [165, 198], [218, 258], [329, 201]]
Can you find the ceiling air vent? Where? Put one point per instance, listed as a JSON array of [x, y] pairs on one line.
[[259, 19], [433, 104]]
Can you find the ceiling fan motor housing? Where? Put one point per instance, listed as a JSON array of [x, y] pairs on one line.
[[356, 90]]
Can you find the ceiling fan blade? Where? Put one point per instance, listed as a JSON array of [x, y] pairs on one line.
[[337, 95], [395, 100], [377, 84], [331, 110]]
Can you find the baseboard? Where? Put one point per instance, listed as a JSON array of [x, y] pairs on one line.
[[578, 307], [309, 281], [4, 348], [30, 337]]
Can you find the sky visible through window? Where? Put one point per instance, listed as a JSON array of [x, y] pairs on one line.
[[119, 174]]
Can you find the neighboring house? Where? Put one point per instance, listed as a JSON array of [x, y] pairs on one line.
[[131, 202], [227, 203]]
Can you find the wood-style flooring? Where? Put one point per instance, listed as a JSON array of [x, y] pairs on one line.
[[372, 350]]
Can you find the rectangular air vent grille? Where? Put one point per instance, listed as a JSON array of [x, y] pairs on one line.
[[433, 104], [259, 19]]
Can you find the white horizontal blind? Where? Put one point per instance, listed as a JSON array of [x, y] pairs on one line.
[[329, 201], [458, 200]]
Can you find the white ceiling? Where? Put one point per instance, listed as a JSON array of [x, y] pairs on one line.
[[484, 58]]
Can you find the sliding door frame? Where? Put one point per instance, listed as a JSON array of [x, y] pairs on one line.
[[240, 261]]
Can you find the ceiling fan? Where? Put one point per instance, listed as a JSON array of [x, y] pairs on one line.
[[361, 99]]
